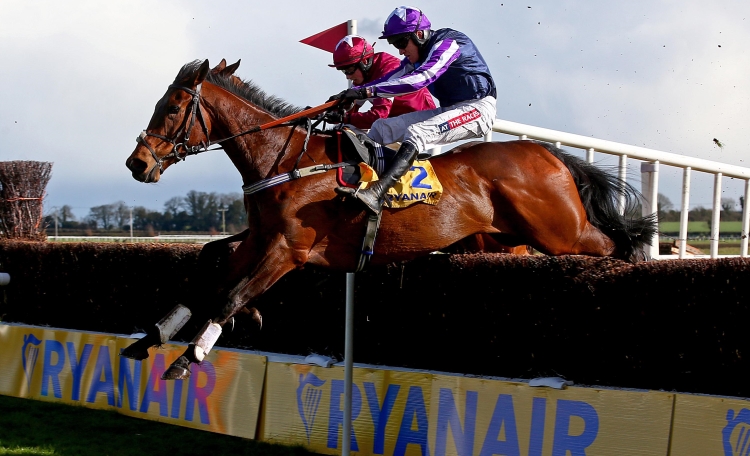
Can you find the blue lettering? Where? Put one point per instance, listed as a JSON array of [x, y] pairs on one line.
[[77, 366], [404, 197], [336, 413], [50, 370], [538, 416], [200, 394], [99, 385], [156, 388], [379, 415], [414, 196], [129, 382], [576, 444], [448, 418], [504, 413], [177, 400], [414, 409], [417, 181]]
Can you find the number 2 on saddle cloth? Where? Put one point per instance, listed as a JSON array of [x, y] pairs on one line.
[[418, 185]]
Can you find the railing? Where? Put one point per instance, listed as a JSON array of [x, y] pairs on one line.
[[651, 160], [180, 238]]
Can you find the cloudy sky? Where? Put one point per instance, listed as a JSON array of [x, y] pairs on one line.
[[79, 79]]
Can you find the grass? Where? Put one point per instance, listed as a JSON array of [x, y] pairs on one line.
[[701, 227], [30, 427], [725, 247]]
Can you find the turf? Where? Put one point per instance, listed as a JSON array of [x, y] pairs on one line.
[[29, 427]]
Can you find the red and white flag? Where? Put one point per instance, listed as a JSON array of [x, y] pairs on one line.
[[327, 39]]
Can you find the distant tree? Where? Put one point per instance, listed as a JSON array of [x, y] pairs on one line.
[[663, 203], [66, 215], [101, 216], [728, 204]]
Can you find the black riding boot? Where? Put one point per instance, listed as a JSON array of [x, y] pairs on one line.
[[373, 196]]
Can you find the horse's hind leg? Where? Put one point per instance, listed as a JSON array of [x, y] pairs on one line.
[[277, 261]]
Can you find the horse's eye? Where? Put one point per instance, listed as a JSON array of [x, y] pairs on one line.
[[174, 109]]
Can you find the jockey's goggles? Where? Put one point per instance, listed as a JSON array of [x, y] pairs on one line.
[[399, 41], [348, 70]]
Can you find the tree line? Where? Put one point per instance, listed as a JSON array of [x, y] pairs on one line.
[[731, 210], [194, 212]]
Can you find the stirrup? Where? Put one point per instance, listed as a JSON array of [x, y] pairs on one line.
[[345, 191]]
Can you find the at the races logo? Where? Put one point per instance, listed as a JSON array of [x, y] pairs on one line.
[[459, 120]]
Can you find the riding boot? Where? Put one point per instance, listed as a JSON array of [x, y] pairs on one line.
[[374, 195]]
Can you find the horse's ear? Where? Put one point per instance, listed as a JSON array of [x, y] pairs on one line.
[[231, 68], [201, 73], [220, 67]]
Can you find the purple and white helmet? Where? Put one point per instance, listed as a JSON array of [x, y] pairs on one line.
[[405, 19]]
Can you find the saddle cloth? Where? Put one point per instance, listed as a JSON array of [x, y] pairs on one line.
[[419, 184]]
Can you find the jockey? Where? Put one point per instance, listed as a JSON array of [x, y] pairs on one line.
[[359, 62], [446, 62]]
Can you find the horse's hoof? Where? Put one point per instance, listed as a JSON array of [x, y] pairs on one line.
[[132, 351], [178, 370]]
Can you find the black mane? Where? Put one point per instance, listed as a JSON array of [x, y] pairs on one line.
[[247, 90]]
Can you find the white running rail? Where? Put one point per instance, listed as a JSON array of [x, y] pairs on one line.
[[651, 159]]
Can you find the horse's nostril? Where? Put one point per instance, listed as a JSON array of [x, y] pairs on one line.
[[136, 165]]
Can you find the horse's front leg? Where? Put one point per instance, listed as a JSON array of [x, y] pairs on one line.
[[276, 260], [212, 263]]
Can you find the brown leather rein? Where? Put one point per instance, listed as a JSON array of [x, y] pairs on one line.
[[196, 112]]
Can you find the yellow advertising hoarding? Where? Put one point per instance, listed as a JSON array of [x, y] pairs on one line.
[[223, 393], [708, 425], [413, 413]]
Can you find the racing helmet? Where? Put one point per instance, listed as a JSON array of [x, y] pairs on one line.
[[353, 50], [403, 20]]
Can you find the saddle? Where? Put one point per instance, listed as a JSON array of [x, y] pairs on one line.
[[355, 147]]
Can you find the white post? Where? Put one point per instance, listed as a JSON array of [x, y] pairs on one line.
[[623, 175], [346, 435], [131, 223], [223, 220], [650, 190], [715, 216], [590, 155], [684, 209], [745, 220]]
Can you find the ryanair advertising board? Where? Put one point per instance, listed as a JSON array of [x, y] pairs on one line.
[[411, 413], [223, 393], [711, 425]]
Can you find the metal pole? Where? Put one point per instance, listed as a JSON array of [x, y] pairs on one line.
[[348, 337], [55, 223], [131, 224], [223, 221]]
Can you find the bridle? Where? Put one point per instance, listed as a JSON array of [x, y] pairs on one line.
[[195, 112]]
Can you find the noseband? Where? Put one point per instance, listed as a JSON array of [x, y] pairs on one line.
[[195, 112]]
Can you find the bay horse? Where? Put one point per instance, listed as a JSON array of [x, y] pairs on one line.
[[476, 243], [519, 192]]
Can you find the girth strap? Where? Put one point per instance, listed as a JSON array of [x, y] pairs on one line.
[[290, 176]]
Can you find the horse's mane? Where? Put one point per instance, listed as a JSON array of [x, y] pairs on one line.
[[246, 89]]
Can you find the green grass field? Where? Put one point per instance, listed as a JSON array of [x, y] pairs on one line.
[[29, 427], [701, 227]]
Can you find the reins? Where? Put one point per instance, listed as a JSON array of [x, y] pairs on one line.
[[195, 112]]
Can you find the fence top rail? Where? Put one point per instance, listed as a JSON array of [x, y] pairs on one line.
[[615, 148]]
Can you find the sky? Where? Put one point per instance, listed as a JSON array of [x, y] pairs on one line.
[[79, 79]]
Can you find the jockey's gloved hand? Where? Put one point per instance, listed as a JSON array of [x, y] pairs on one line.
[[333, 117], [350, 94]]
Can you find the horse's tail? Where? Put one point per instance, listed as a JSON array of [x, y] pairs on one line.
[[600, 192]]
